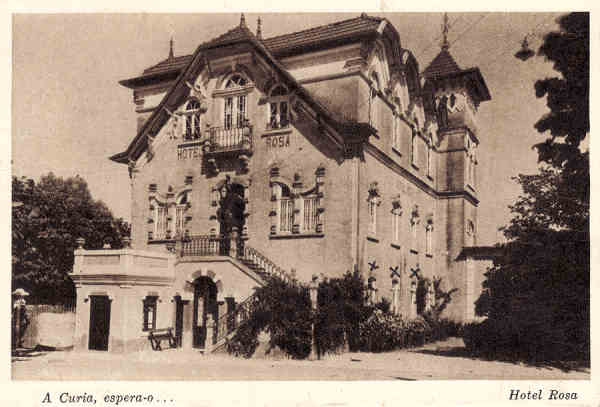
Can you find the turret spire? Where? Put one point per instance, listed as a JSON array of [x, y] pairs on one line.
[[243, 21], [445, 29], [258, 29], [171, 48]]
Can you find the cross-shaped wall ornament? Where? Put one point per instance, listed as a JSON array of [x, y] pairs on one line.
[[373, 266], [395, 272], [415, 272]]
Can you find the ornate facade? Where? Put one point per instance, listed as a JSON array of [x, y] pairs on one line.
[[314, 152]]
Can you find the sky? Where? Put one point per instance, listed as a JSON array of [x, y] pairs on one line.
[[69, 114]]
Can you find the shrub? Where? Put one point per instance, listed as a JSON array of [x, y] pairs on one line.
[[342, 307], [282, 310]]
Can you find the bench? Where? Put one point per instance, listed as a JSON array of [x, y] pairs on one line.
[[156, 336]]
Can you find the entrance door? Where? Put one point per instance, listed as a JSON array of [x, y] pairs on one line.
[[231, 214], [205, 300], [178, 321], [99, 322]]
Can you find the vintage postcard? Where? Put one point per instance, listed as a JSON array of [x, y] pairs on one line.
[[250, 207]]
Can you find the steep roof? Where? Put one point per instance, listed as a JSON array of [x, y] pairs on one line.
[[337, 31], [444, 67], [169, 64], [281, 45], [443, 64], [238, 34]]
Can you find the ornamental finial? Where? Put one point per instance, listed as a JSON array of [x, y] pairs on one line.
[[258, 29], [243, 21], [171, 48], [445, 29]]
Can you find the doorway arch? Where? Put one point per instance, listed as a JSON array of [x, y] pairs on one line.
[[204, 306]]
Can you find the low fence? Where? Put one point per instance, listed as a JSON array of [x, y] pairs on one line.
[[49, 326]]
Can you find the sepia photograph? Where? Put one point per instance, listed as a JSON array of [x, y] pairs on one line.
[[358, 196]]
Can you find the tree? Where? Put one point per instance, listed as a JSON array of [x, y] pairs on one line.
[[536, 296], [46, 221]]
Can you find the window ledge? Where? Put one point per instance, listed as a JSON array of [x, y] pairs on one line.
[[414, 251], [273, 132], [372, 238], [429, 255], [296, 236], [190, 143], [159, 241], [396, 245]]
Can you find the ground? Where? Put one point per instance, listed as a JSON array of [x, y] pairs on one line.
[[443, 360]]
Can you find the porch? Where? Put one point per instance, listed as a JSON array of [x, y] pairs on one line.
[[201, 288]]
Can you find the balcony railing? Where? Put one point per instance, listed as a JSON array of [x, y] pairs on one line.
[[233, 139], [210, 245], [206, 245]]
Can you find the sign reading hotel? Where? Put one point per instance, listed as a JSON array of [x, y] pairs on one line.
[[189, 152]]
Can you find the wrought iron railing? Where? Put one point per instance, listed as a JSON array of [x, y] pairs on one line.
[[223, 139], [262, 262], [228, 323], [205, 245]]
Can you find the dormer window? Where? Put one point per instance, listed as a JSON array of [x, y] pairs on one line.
[[192, 120], [278, 108], [235, 105]]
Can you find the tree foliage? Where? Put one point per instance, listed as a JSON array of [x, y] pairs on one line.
[[47, 219], [536, 296]]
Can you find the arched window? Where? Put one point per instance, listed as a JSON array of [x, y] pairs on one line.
[[278, 108], [430, 157], [373, 201], [429, 238], [235, 106], [180, 208], [470, 233], [236, 81], [192, 120], [396, 217], [414, 149]]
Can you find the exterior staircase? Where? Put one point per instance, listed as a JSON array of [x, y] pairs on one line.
[[245, 256]]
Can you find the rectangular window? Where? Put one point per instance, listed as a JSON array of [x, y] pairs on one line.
[[179, 219], [161, 222], [228, 120], [429, 242], [283, 114], [149, 313], [396, 225], [373, 215], [278, 118], [396, 134], [429, 162], [310, 214], [241, 111], [413, 150], [286, 219]]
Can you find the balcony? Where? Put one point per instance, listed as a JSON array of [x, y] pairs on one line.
[[230, 139]]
